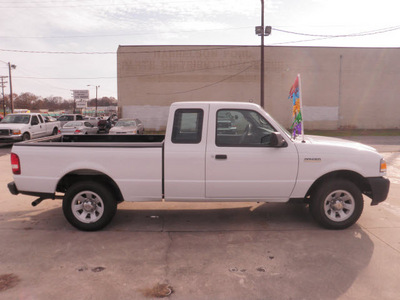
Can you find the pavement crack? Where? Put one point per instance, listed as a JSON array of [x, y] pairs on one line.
[[167, 254]]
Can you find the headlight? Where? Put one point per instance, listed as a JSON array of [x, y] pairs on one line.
[[16, 132]]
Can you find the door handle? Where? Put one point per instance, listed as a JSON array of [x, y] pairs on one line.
[[221, 156]]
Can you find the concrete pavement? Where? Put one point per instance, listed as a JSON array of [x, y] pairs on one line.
[[202, 251]]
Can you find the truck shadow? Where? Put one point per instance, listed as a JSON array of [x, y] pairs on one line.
[[211, 217], [277, 250]]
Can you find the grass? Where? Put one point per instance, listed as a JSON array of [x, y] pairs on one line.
[[355, 132]]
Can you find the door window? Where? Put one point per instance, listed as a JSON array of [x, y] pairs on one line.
[[242, 128], [35, 120]]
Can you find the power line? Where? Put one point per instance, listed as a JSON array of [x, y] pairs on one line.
[[127, 52], [371, 32], [138, 75], [120, 34], [205, 86]]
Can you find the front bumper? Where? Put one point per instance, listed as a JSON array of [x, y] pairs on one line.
[[379, 189], [10, 138]]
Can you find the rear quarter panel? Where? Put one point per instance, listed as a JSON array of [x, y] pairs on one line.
[[136, 170]]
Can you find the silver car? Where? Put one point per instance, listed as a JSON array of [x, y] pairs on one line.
[[79, 127], [127, 126]]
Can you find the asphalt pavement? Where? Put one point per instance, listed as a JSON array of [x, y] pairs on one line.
[[200, 250]]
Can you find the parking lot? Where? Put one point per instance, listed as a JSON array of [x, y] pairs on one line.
[[201, 250]]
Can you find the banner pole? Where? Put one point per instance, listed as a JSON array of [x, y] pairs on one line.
[[301, 109]]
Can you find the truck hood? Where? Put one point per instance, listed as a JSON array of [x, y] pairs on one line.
[[12, 126], [330, 144]]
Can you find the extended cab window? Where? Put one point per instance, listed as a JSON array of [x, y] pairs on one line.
[[188, 124], [35, 120], [242, 128]]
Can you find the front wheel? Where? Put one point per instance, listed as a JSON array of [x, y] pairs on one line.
[[26, 137], [89, 206], [337, 204]]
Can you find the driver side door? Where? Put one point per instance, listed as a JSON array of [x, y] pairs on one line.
[[36, 127], [241, 165]]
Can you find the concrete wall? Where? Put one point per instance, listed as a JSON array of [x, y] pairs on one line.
[[341, 87]]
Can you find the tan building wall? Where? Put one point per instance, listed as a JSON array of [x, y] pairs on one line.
[[341, 87]]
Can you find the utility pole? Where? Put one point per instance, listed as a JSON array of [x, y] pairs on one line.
[[10, 66], [262, 31], [2, 91]]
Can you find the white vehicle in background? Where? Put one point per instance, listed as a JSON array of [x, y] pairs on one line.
[[79, 127], [26, 126], [127, 126], [93, 120], [64, 119]]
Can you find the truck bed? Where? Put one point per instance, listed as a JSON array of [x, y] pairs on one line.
[[134, 162], [98, 140]]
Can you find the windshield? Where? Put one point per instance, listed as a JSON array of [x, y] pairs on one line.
[[16, 119], [125, 123]]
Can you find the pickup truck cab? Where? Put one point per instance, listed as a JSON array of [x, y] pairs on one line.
[[26, 126], [255, 160], [64, 119]]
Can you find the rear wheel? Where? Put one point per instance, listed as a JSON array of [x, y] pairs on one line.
[[89, 206], [55, 131], [337, 204]]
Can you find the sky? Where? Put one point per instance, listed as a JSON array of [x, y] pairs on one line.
[[58, 46]]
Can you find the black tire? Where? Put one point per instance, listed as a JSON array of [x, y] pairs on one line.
[[26, 137], [89, 206], [337, 204], [55, 131]]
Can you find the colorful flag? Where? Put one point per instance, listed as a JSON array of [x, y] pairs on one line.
[[295, 95]]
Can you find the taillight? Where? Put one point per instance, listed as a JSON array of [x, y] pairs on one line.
[[78, 131], [15, 164]]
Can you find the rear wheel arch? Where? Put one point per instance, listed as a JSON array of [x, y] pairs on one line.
[[73, 177]]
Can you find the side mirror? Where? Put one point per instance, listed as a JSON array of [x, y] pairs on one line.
[[275, 139], [34, 122]]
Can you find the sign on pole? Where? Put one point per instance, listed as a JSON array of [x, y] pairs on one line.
[[81, 94], [81, 104]]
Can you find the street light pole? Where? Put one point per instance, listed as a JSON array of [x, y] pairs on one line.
[[10, 66], [97, 86], [262, 56]]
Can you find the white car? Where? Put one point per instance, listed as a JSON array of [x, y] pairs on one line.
[[79, 127], [127, 126]]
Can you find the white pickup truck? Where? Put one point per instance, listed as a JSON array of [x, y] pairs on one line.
[[212, 151], [26, 126]]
